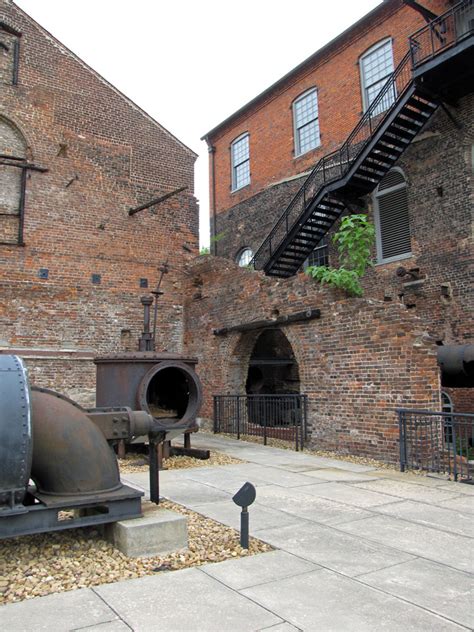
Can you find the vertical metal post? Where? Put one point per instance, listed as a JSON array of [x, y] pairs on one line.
[[215, 414], [244, 528], [238, 416], [297, 417], [154, 474], [265, 414], [455, 451], [402, 442]]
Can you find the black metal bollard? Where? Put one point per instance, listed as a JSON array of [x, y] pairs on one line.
[[244, 498]]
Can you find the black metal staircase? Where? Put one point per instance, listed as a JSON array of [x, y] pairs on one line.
[[394, 118]]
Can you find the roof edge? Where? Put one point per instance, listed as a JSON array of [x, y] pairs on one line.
[[314, 56], [102, 79]]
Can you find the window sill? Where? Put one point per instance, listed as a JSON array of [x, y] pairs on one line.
[[245, 186], [394, 259], [306, 153]]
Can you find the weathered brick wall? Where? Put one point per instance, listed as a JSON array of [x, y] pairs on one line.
[[247, 224], [103, 155], [356, 363], [335, 74]]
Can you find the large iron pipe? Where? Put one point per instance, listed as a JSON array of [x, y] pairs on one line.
[[70, 454], [457, 365]]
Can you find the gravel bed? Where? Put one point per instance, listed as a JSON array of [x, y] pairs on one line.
[[139, 463], [37, 565]]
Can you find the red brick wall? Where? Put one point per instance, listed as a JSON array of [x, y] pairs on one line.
[[336, 76], [356, 363], [103, 155]]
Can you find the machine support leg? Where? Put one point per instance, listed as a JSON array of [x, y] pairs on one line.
[[155, 449], [187, 440]]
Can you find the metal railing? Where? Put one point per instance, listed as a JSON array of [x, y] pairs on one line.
[[266, 416], [442, 32], [437, 442], [337, 164]]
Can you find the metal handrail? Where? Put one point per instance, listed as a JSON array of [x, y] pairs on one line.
[[441, 33], [335, 165]]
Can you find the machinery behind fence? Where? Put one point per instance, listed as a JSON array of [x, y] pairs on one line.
[[437, 442], [267, 416]]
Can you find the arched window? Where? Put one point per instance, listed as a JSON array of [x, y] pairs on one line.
[[306, 122], [375, 67], [12, 183], [244, 257], [391, 218]]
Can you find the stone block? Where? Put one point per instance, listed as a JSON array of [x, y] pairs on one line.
[[157, 532]]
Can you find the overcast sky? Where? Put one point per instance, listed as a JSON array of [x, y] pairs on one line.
[[190, 64]]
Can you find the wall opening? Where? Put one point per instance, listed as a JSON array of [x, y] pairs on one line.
[[273, 369]]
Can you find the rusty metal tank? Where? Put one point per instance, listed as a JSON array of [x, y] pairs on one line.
[[165, 385]]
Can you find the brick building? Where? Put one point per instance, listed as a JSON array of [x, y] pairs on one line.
[[380, 120], [76, 155]]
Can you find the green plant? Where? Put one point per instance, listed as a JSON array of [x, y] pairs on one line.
[[354, 241], [206, 250]]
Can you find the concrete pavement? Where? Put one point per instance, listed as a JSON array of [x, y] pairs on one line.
[[356, 549]]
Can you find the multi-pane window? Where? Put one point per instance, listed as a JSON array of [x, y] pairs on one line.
[[375, 67], [245, 257], [391, 218], [319, 256], [306, 122], [240, 156]]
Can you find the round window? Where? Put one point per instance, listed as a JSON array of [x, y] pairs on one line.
[[245, 257]]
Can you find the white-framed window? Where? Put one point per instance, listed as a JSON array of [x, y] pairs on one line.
[[240, 160], [245, 257], [306, 122], [375, 67], [319, 256], [392, 222]]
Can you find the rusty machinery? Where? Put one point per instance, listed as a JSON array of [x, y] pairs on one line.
[[164, 385], [57, 466]]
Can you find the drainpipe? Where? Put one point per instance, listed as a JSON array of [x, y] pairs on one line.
[[212, 150]]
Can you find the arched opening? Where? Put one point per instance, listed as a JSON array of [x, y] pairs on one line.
[[12, 182], [273, 369]]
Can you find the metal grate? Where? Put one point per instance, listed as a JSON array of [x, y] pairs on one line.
[[266, 416], [437, 442]]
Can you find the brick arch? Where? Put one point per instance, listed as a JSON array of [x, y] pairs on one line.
[[239, 349], [12, 139]]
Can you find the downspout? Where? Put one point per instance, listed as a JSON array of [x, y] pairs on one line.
[[212, 150]]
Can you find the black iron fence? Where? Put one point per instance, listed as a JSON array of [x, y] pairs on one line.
[[437, 442], [266, 416]]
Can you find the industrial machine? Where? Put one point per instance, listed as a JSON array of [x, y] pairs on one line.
[[57, 465]]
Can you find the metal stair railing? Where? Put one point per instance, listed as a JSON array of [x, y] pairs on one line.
[[442, 32], [336, 165]]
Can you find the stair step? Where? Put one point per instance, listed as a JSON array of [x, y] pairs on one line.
[[371, 171], [421, 117], [403, 123], [398, 136], [390, 151]]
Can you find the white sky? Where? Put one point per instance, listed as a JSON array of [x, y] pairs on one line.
[[190, 64]]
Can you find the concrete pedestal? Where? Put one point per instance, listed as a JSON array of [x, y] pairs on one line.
[[159, 531]]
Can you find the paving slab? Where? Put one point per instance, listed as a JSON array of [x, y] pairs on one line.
[[409, 477], [112, 626], [258, 569], [459, 488], [277, 476], [191, 493], [323, 600], [261, 517], [435, 516], [340, 476], [60, 612], [296, 502], [184, 600], [408, 491], [453, 550], [280, 627], [461, 504], [332, 549], [433, 586], [348, 494]]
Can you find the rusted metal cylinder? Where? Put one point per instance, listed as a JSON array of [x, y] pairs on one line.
[[164, 385], [70, 454]]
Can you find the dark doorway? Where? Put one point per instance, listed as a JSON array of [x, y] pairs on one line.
[[273, 369]]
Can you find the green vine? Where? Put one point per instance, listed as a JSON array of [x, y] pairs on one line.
[[206, 250], [354, 240]]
